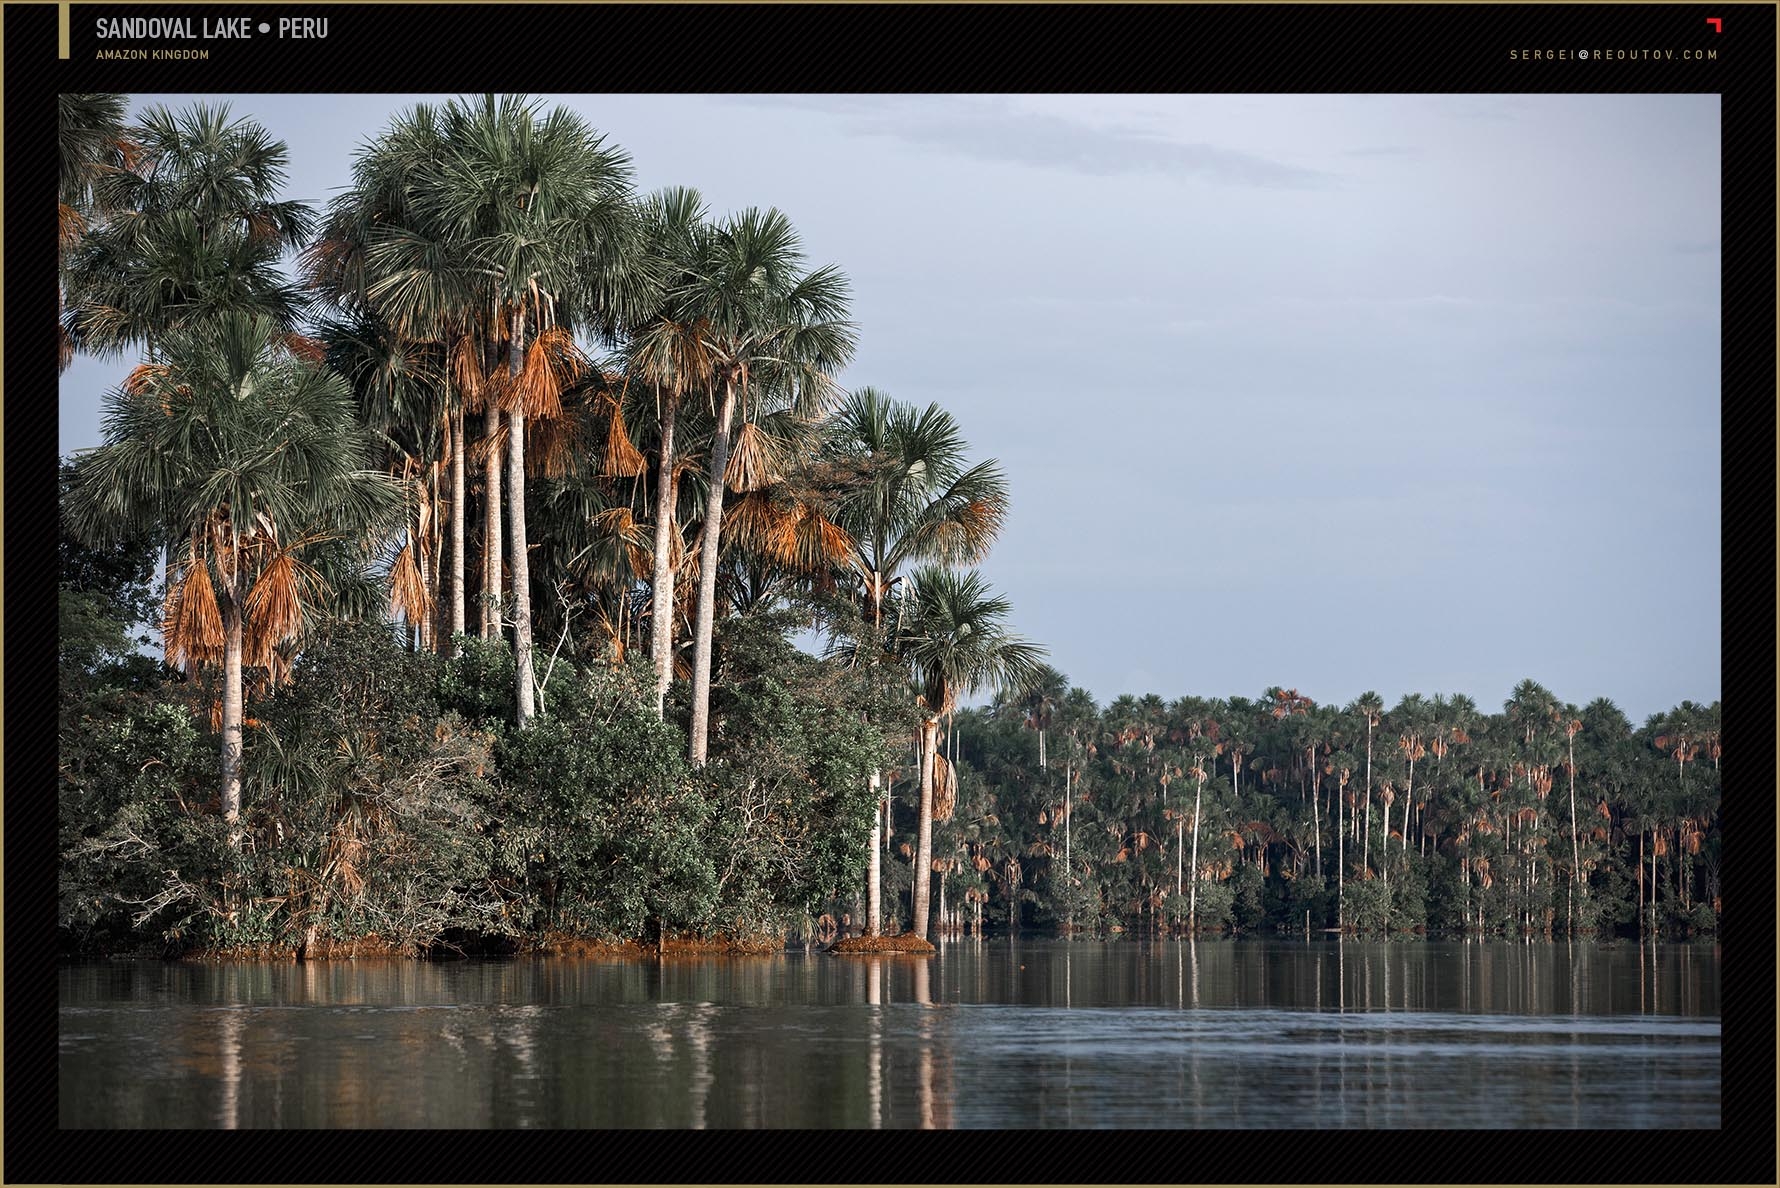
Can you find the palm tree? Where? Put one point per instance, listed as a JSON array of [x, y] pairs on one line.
[[1370, 708], [956, 641], [1410, 720], [251, 457], [377, 261], [1040, 701], [542, 205], [194, 232], [768, 328], [668, 352], [909, 498], [90, 143]]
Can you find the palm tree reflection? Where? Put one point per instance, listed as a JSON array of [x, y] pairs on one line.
[[232, 1022]]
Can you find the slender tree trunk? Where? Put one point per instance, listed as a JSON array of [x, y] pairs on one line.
[[1068, 828], [521, 575], [705, 626], [491, 527], [1180, 856], [438, 621], [874, 879], [661, 634], [1408, 799], [1193, 895], [1340, 853], [1384, 828], [458, 626], [232, 715], [1575, 845], [423, 562], [1366, 843], [1316, 815], [924, 830]]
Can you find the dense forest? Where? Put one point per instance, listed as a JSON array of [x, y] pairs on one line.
[[491, 559]]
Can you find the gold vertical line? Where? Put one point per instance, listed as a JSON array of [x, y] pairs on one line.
[[62, 29]]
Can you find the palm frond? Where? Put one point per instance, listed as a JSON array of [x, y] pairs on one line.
[[192, 630]]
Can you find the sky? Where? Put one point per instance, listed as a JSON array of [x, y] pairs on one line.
[[1337, 393]]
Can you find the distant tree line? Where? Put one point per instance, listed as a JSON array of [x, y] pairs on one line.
[[1275, 812]]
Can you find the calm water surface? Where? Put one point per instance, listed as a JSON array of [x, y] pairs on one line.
[[999, 1033]]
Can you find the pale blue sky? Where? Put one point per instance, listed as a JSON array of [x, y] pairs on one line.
[[1333, 392]]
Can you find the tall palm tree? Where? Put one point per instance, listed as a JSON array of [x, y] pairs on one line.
[[769, 328], [90, 143], [956, 641], [253, 459], [376, 259], [542, 205], [911, 498], [194, 231], [494, 216], [1369, 706], [1040, 701], [669, 353], [1410, 720]]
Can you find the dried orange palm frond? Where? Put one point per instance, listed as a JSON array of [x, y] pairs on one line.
[[554, 446], [305, 349], [537, 390], [945, 789], [274, 610], [618, 524], [407, 593], [490, 445], [754, 461], [623, 459], [144, 376], [192, 631], [498, 389], [552, 364], [466, 370]]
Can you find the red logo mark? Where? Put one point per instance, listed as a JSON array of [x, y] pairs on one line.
[[1717, 24]]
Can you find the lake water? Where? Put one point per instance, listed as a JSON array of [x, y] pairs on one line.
[[997, 1033]]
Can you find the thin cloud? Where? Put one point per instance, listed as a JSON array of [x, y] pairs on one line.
[[1384, 150], [997, 132], [1047, 142]]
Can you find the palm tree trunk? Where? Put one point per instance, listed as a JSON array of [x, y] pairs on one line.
[[1193, 895], [874, 879], [232, 715], [705, 625], [1575, 845], [521, 578], [458, 626], [423, 562], [1366, 843], [1180, 856], [1316, 814], [924, 830], [438, 624], [661, 626], [491, 528], [1340, 851], [1408, 799]]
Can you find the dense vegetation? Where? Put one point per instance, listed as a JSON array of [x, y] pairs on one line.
[[492, 555]]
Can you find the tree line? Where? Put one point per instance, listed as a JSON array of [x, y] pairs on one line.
[[481, 514], [1275, 812]]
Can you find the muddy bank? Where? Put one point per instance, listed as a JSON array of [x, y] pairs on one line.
[[907, 943], [550, 945]]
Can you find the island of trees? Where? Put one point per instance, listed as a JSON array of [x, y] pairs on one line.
[[523, 578]]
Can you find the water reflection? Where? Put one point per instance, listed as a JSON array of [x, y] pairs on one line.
[[988, 1033]]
